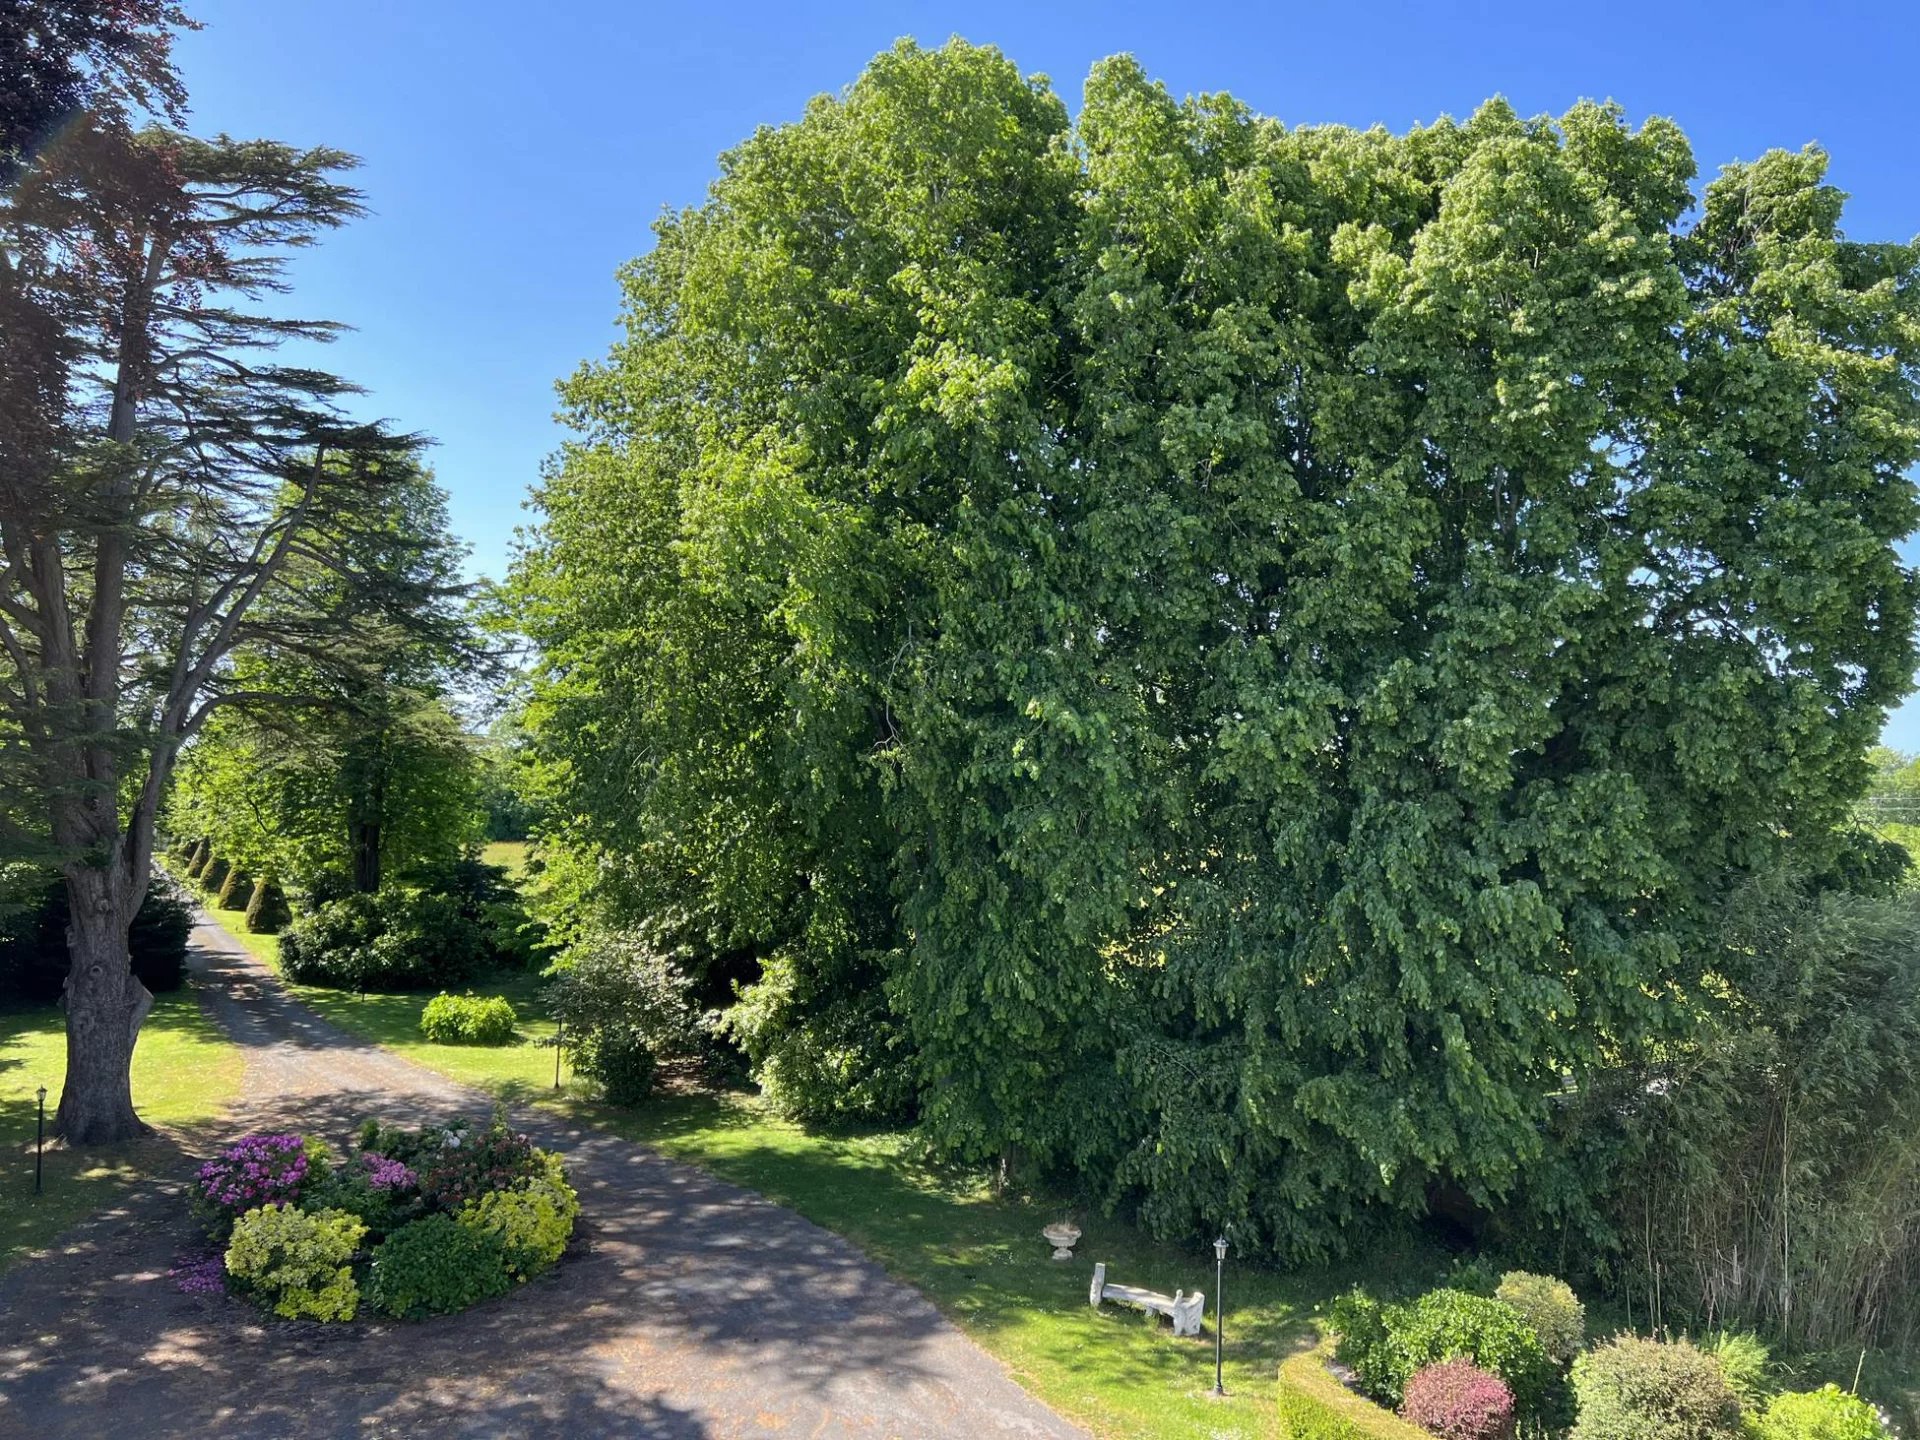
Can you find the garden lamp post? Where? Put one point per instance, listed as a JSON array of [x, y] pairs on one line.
[[39, 1138], [1219, 1309]]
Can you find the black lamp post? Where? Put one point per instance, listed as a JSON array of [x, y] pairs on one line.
[[39, 1138], [1219, 1309]]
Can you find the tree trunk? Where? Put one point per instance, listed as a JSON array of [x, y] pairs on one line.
[[105, 1008], [366, 856]]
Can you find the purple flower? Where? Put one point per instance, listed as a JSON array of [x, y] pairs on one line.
[[200, 1273], [384, 1173]]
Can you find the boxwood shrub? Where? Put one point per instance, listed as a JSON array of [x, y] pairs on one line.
[[1551, 1308]]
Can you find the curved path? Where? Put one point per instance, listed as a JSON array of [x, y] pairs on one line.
[[696, 1309]]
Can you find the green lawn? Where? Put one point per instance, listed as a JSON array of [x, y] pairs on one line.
[[509, 855], [184, 1074], [977, 1256]]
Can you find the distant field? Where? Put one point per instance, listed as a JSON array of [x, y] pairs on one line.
[[510, 855]]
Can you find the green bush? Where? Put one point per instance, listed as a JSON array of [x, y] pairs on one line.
[[436, 1266], [1634, 1389], [531, 1223], [1387, 1344], [1745, 1360], [214, 874], [1828, 1413], [197, 859], [468, 1020], [620, 1006], [33, 940], [267, 910], [494, 1159], [349, 1191], [396, 940], [299, 1263], [1551, 1308], [235, 890]]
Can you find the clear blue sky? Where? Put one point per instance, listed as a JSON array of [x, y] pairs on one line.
[[516, 153]]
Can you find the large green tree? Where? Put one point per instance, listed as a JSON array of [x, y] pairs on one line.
[[1274, 643], [160, 472]]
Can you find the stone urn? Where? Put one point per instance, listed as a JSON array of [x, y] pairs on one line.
[[1063, 1235]]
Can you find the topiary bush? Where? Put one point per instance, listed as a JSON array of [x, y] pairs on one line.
[[1828, 1413], [197, 860], [234, 891], [1634, 1389], [299, 1264], [1457, 1400], [468, 1020], [436, 1266], [1388, 1344], [267, 911], [214, 874], [1551, 1308]]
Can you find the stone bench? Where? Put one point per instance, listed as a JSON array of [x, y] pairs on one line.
[[1186, 1311]]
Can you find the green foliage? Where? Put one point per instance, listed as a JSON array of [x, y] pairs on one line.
[[466, 1165], [197, 861], [1219, 656], [348, 1190], [1745, 1359], [1315, 1406], [1551, 1308], [620, 1006], [401, 939], [33, 939], [213, 875], [235, 891], [1635, 1389], [531, 1222], [1387, 1344], [298, 1263], [1828, 1413], [436, 1266], [1779, 1151], [267, 911], [468, 1020]]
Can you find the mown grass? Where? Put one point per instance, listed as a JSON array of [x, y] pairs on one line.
[[977, 1254], [185, 1073]]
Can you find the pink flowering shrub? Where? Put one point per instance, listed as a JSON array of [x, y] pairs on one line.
[[200, 1274], [255, 1170], [385, 1173], [1457, 1400]]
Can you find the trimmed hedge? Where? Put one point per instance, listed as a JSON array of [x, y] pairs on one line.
[[214, 874], [267, 912], [1315, 1406], [235, 890]]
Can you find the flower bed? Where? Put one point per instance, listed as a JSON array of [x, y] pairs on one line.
[[411, 1222]]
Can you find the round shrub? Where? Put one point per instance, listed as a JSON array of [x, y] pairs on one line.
[[1551, 1308], [213, 875], [1388, 1344], [1828, 1413], [254, 1171], [235, 890], [531, 1223], [267, 910], [1457, 1400], [1634, 1389], [299, 1264], [468, 1020], [436, 1266]]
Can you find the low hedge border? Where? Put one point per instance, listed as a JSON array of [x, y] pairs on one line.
[[1315, 1406]]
